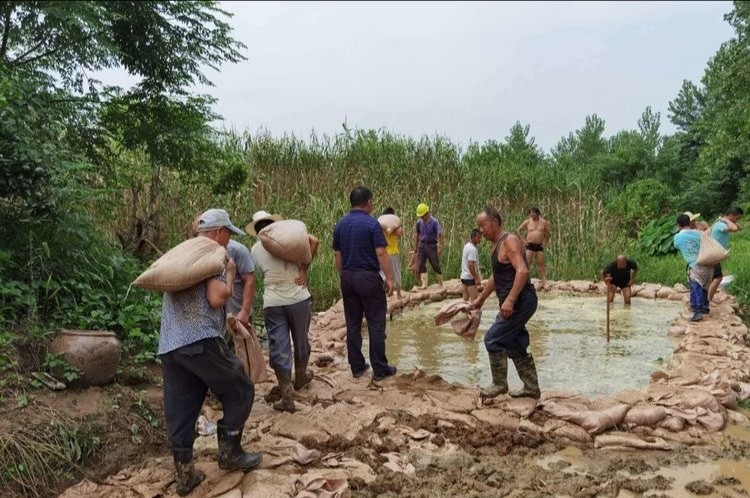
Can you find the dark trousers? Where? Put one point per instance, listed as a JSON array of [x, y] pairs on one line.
[[511, 336], [280, 321], [428, 251], [698, 297], [364, 294], [188, 373]]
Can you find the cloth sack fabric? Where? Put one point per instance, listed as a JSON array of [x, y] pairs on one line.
[[463, 317], [287, 240], [248, 350], [711, 252], [184, 266], [389, 222]]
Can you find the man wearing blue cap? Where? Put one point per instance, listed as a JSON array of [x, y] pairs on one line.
[[195, 358]]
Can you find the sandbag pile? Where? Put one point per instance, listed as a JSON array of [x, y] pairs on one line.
[[184, 266], [685, 403]]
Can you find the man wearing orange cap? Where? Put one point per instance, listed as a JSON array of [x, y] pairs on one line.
[[428, 240]]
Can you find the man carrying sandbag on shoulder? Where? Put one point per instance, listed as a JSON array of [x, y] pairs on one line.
[[195, 358], [287, 303], [241, 303]]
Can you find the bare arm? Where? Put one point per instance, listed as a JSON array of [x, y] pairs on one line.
[[632, 276], [301, 278], [731, 227], [218, 292], [441, 240], [385, 265], [489, 288], [248, 295], [521, 228], [475, 272], [547, 232]]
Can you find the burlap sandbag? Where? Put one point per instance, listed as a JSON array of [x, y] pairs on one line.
[[711, 252], [184, 266], [287, 240], [389, 222], [248, 350]]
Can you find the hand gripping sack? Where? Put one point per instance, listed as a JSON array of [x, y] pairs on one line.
[[184, 266], [389, 222], [287, 240], [711, 252]]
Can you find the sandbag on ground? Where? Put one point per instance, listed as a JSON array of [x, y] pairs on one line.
[[594, 421], [620, 441], [287, 240], [184, 266], [645, 415]]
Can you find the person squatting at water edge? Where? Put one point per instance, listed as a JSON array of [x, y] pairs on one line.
[[537, 236], [508, 337], [428, 239], [620, 274], [195, 358], [360, 253], [287, 308], [688, 242]]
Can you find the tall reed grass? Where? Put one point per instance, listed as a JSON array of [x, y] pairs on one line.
[[311, 180]]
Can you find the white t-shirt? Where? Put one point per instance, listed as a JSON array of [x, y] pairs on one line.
[[470, 254], [279, 288]]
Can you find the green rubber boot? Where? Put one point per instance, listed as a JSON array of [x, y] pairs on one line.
[[499, 369], [526, 369]]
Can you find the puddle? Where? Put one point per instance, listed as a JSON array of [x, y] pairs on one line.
[[568, 341], [728, 478]]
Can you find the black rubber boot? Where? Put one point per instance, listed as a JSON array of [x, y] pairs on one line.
[[231, 454], [499, 369], [302, 376], [526, 369], [286, 404], [187, 476]]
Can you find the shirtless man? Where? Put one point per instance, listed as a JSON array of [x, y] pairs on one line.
[[537, 236]]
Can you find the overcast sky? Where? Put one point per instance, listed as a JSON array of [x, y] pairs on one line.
[[464, 70]]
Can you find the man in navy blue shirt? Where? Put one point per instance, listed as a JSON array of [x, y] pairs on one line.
[[360, 251]]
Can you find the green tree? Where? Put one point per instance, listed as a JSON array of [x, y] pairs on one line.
[[716, 123], [57, 120]]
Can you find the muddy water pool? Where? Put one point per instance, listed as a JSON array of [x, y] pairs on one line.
[[568, 341]]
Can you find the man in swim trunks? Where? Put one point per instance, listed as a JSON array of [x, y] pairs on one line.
[[620, 273], [537, 236]]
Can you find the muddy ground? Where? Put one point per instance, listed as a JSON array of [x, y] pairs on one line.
[[436, 454], [412, 435]]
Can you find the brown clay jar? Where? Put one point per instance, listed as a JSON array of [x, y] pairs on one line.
[[95, 353]]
